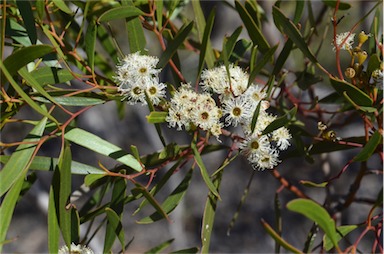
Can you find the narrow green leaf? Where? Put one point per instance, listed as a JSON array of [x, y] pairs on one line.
[[114, 215], [184, 251], [27, 99], [159, 13], [49, 164], [65, 190], [28, 19], [254, 32], [312, 184], [283, 56], [117, 227], [373, 64], [171, 202], [292, 32], [231, 42], [332, 3], [268, 56], [316, 213], [157, 117], [91, 178], [278, 238], [281, 121], [203, 170], [358, 96], [209, 214], [72, 101], [47, 75], [25, 55], [62, 6], [205, 43], [342, 231], [20, 160], [34, 84], [75, 225], [90, 43], [298, 11], [174, 45], [201, 25], [8, 205], [136, 38], [99, 145], [254, 117], [159, 185], [120, 12], [369, 148], [151, 200], [160, 247], [53, 223]]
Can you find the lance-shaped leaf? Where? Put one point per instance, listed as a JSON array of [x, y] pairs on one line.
[[174, 45], [254, 31], [136, 38], [24, 56], [51, 75], [53, 223], [72, 101], [279, 239], [205, 43], [20, 159], [120, 12], [369, 148], [65, 188], [28, 19], [62, 6], [316, 213], [357, 96], [292, 32], [231, 42], [157, 117], [203, 170], [49, 164], [8, 205], [159, 248], [201, 26], [114, 215], [333, 3], [99, 145], [171, 202], [90, 43], [342, 231], [268, 56]]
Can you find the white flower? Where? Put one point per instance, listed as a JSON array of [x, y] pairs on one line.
[[239, 80], [155, 92], [254, 146], [214, 80], [78, 249], [238, 110], [137, 74], [267, 160], [205, 114], [282, 137], [349, 39], [255, 94], [377, 76]]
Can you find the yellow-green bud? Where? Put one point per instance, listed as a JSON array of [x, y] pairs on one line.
[[361, 57], [363, 37], [350, 72]]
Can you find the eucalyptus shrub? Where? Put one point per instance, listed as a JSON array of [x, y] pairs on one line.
[[244, 98]]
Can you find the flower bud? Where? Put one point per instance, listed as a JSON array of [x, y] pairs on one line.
[[350, 72], [363, 37], [361, 57]]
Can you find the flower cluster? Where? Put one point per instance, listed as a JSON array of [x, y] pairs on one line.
[[137, 77], [236, 103], [239, 102], [81, 249]]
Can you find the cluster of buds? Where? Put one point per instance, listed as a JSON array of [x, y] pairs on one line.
[[355, 71], [235, 104]]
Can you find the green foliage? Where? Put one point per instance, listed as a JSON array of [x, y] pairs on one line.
[[61, 58]]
